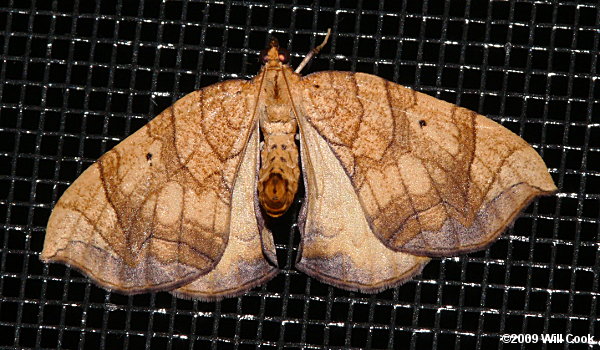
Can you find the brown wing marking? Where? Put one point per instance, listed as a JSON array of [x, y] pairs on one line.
[[153, 212], [433, 178], [338, 246], [243, 265]]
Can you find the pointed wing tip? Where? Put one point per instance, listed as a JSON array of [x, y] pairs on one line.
[[45, 256], [483, 218], [548, 190]]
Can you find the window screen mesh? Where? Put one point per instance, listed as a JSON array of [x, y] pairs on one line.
[[78, 77]]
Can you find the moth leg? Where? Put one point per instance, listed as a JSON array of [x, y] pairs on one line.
[[313, 52]]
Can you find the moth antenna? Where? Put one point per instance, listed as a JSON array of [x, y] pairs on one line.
[[313, 52]]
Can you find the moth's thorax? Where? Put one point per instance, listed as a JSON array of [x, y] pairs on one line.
[[275, 100], [279, 171]]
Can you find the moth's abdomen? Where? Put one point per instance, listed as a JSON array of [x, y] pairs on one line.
[[279, 173]]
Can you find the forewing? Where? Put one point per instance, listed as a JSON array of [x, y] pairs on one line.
[[243, 264], [153, 213], [432, 178], [338, 246]]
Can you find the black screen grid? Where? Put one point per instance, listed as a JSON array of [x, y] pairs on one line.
[[79, 77]]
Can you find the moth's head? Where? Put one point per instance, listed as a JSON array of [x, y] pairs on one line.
[[274, 55]]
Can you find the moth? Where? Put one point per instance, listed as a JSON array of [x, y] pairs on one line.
[[392, 177]]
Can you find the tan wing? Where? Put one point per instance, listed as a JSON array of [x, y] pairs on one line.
[[243, 265], [433, 178], [153, 213], [338, 246]]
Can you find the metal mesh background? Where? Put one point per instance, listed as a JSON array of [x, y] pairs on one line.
[[78, 77]]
